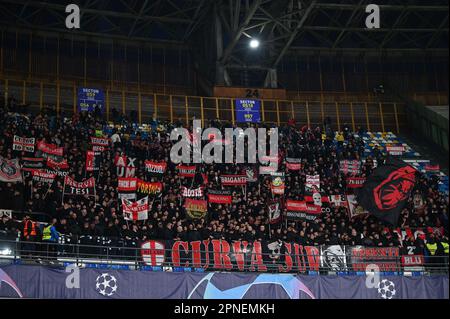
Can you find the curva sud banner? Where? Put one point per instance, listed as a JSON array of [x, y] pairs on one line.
[[262, 256], [20, 281]]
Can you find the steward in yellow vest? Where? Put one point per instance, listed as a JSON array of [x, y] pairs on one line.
[[50, 237], [444, 243], [50, 234]]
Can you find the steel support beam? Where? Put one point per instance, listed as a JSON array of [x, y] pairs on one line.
[[381, 30], [338, 6], [108, 13], [240, 31], [294, 34]]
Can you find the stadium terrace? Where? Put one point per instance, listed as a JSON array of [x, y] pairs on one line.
[[192, 149]]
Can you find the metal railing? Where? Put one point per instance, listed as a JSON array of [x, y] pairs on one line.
[[98, 252], [374, 115]]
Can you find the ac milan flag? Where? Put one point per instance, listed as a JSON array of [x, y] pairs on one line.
[[49, 150], [293, 164], [278, 185], [146, 188], [186, 171], [126, 188], [387, 190], [72, 187], [135, 210], [317, 199], [338, 200], [233, 180], [10, 170], [99, 144], [23, 144], [30, 164], [252, 174], [195, 209], [274, 213], [127, 184], [155, 168], [267, 170], [126, 166], [354, 209], [355, 182], [395, 150], [90, 161], [350, 167], [312, 183], [270, 159], [153, 253], [219, 197], [301, 210], [58, 165], [43, 177], [187, 192], [432, 168], [129, 196]]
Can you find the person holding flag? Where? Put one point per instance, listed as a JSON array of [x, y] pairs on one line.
[[387, 190]]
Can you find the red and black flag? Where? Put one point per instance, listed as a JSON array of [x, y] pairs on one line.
[[387, 190]]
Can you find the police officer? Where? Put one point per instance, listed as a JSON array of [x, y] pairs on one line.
[[50, 237]]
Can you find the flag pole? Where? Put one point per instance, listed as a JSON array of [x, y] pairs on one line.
[[48, 190], [64, 190], [270, 230]]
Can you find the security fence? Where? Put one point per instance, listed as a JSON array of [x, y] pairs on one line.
[[34, 95], [220, 255]]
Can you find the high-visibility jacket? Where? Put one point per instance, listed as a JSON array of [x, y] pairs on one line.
[[29, 228], [47, 233], [445, 245], [432, 248]]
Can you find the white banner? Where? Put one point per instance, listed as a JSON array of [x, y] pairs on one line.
[[6, 212], [312, 183], [135, 210], [24, 144]]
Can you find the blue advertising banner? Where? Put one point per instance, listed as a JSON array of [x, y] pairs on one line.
[[51, 283], [89, 98], [248, 111]]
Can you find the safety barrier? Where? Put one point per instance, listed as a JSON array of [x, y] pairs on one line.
[[374, 116], [97, 252]]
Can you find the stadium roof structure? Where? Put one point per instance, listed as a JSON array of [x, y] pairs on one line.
[[219, 31]]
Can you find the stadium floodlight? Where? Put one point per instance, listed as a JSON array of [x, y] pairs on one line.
[[6, 252], [254, 43]]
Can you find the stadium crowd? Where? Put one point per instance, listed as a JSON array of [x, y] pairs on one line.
[[246, 218]]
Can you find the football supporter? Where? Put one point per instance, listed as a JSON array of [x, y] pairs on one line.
[[245, 218]]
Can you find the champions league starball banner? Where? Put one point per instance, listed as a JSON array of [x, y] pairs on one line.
[[18, 281]]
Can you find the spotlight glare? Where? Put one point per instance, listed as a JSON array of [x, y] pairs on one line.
[[254, 44]]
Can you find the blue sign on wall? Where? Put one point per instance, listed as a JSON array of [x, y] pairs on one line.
[[248, 111], [89, 98]]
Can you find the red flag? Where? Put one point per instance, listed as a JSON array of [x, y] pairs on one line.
[[90, 161], [186, 171]]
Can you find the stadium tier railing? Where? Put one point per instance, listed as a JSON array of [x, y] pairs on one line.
[[100, 252], [34, 95]]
